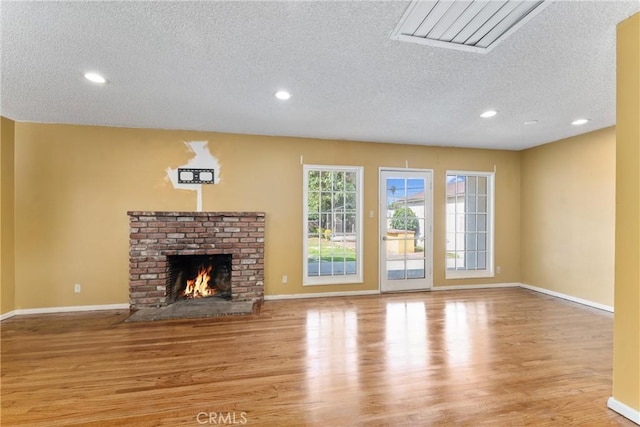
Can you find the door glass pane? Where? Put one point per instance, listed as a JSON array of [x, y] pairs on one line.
[[396, 270], [415, 268]]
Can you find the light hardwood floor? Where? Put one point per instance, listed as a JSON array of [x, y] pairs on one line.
[[500, 357]]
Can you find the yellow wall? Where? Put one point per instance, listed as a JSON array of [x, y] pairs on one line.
[[626, 347], [568, 216], [7, 259], [74, 185]]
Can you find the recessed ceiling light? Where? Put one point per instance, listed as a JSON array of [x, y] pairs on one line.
[[531, 122], [579, 122], [488, 114], [95, 78], [282, 95]]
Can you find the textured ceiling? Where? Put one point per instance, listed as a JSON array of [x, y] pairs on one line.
[[214, 66]]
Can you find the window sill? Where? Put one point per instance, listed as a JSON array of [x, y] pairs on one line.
[[332, 281], [470, 274]]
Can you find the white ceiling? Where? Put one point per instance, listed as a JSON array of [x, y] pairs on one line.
[[214, 66]]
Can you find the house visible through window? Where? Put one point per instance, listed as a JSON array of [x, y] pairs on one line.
[[469, 224], [332, 225]]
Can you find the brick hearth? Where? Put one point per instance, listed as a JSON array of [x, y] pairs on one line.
[[156, 235]]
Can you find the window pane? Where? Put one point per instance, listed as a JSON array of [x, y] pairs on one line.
[[313, 202], [468, 221], [460, 260], [482, 185], [325, 221], [338, 202], [325, 202], [482, 203], [471, 260], [338, 181], [314, 180], [460, 184], [471, 184], [451, 259], [471, 223], [325, 180], [460, 223], [471, 242], [350, 181], [482, 260], [471, 204], [482, 222], [451, 223], [313, 226], [451, 242], [326, 267], [350, 200], [482, 242]]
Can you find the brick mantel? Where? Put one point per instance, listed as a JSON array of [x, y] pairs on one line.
[[156, 235]]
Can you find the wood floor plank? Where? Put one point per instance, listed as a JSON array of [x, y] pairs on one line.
[[506, 357]]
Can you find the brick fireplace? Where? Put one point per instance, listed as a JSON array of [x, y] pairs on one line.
[[154, 236]]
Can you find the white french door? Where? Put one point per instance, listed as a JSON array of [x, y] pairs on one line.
[[406, 224]]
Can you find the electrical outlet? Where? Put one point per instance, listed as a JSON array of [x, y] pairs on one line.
[[498, 269], [77, 288], [285, 279]]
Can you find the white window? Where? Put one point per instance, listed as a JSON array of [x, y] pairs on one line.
[[469, 228], [332, 225]]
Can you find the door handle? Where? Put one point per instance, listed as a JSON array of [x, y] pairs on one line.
[[384, 238]]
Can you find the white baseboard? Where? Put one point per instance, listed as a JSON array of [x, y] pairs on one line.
[[67, 309], [7, 315], [469, 287], [569, 297], [320, 295], [624, 410]]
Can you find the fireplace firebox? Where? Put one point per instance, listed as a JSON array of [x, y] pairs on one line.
[[198, 276]]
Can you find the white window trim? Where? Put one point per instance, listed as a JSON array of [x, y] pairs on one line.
[[490, 271], [341, 279]]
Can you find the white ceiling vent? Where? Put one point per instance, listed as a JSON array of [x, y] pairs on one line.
[[471, 25]]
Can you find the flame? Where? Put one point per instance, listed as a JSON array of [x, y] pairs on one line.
[[199, 287]]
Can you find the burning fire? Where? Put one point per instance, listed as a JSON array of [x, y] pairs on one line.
[[199, 287]]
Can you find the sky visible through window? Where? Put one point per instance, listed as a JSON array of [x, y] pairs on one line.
[[401, 188]]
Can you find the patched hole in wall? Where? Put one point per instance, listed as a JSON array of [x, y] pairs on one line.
[[198, 276]]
